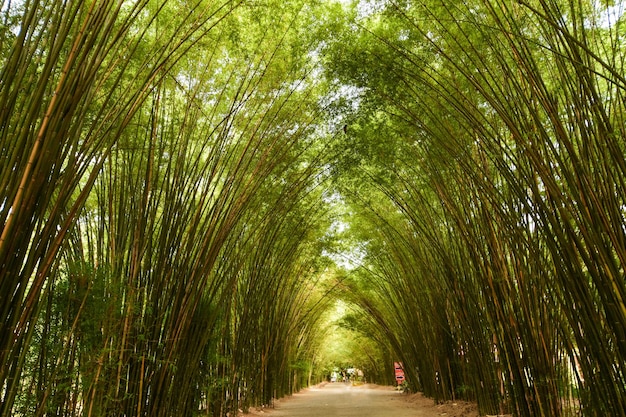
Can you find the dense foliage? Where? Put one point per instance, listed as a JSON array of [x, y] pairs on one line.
[[488, 188], [162, 209]]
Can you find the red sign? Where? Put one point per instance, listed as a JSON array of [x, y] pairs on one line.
[[399, 372]]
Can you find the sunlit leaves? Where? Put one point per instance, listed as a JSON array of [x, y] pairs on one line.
[[511, 130], [167, 138]]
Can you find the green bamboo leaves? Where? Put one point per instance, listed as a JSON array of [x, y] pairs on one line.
[[73, 76], [160, 205], [504, 264]]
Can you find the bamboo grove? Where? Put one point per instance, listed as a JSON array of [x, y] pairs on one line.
[[161, 208], [493, 213], [170, 172]]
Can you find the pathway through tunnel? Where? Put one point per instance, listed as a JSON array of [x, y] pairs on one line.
[[346, 400]]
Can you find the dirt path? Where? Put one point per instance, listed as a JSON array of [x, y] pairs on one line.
[[340, 400]]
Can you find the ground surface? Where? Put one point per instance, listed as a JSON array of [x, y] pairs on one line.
[[341, 400]]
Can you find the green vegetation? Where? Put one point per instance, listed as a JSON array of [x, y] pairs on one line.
[[209, 205]]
